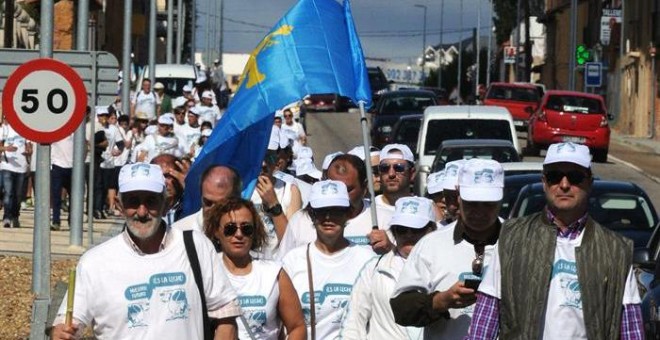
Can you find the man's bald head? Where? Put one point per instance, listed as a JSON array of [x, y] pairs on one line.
[[218, 183]]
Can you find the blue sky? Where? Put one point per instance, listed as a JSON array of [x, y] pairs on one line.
[[388, 29]]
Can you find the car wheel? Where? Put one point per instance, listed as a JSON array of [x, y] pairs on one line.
[[600, 155], [532, 149]]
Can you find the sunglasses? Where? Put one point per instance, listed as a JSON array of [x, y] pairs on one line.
[[288, 116], [230, 229], [574, 177], [320, 213], [134, 201], [401, 230], [375, 169], [398, 167], [478, 262]]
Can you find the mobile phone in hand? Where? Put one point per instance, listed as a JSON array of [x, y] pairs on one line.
[[472, 283]]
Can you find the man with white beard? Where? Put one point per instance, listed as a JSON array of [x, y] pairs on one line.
[[140, 284]]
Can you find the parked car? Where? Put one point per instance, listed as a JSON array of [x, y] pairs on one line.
[[173, 76], [519, 98], [569, 116], [499, 150], [621, 206], [327, 102], [442, 123], [378, 82], [406, 130], [512, 186], [393, 105]]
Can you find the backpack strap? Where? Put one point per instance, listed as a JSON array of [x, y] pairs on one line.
[[197, 272]]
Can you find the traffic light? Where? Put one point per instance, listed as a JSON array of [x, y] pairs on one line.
[[582, 54]]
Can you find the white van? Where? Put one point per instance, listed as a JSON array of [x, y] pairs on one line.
[[173, 76], [446, 122]]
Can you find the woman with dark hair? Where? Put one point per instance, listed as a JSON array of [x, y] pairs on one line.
[[266, 294]]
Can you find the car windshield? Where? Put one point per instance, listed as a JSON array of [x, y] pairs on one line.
[[440, 130], [574, 104], [520, 94], [501, 154], [407, 104], [174, 86], [407, 133]]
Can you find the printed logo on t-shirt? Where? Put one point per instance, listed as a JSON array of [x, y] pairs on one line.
[[252, 307], [337, 296], [171, 296], [359, 240], [566, 273]]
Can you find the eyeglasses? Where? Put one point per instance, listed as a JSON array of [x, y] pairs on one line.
[[398, 167], [478, 262], [401, 230], [375, 169], [574, 177], [230, 229]]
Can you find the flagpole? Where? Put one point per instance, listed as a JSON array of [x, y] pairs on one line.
[[367, 161]]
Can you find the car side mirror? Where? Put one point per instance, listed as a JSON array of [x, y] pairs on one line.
[[610, 116], [642, 256]]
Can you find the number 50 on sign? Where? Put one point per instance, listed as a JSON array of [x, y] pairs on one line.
[[44, 100]]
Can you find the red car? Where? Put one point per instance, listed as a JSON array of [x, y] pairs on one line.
[[516, 98], [569, 116]]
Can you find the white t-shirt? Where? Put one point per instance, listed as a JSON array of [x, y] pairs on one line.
[[283, 193], [258, 295], [301, 230], [191, 222], [435, 264], [157, 145], [126, 136], [146, 103], [564, 318], [129, 296], [294, 132], [333, 277], [384, 212], [208, 114], [112, 135], [187, 136], [61, 152], [14, 161]]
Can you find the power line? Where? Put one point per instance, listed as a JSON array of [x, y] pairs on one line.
[[246, 23]]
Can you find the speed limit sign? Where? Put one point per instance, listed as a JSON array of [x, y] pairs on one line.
[[44, 100]]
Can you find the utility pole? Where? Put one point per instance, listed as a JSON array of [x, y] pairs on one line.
[[516, 66], [423, 42], [221, 24], [573, 46], [490, 44], [460, 55], [170, 31], [477, 49], [441, 59]]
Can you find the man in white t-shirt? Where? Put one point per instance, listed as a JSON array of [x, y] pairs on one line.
[[140, 284], [218, 183], [436, 288], [208, 112], [163, 141], [558, 274], [293, 130], [145, 102], [14, 150]]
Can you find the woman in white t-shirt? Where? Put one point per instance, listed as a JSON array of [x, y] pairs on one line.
[[334, 261], [265, 291]]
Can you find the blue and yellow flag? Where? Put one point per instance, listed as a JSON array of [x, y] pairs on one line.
[[314, 48]]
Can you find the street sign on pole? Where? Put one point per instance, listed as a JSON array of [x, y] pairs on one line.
[[44, 100], [593, 74], [510, 55]]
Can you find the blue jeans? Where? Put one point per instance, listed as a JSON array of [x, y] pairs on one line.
[[60, 178], [13, 185]]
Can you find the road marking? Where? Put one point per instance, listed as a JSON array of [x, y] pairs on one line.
[[634, 167]]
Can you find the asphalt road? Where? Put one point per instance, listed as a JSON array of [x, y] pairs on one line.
[[340, 131]]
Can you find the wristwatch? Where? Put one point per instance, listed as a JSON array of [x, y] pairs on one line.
[[275, 210]]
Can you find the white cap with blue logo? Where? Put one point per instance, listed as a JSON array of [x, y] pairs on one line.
[[481, 180], [413, 212]]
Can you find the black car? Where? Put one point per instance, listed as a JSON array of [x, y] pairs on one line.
[[620, 206], [512, 186], [406, 130], [393, 105], [499, 150]]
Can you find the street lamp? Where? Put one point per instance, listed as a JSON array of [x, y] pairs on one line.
[[423, 41]]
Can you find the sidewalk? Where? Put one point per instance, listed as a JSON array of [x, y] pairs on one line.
[[651, 145], [18, 241]]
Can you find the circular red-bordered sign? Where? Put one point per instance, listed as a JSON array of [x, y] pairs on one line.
[[44, 100]]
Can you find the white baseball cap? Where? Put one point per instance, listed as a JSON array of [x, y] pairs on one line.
[[141, 177], [159, 85], [568, 152], [328, 159], [397, 151], [165, 120], [359, 151], [151, 130], [179, 101], [279, 114], [306, 167], [101, 110], [413, 212], [194, 110], [329, 193], [452, 169], [481, 180], [206, 132], [434, 182], [207, 94], [187, 88], [200, 78]]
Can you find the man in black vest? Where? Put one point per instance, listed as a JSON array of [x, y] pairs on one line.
[[558, 274]]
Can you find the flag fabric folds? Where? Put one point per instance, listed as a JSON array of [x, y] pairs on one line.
[[314, 48]]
